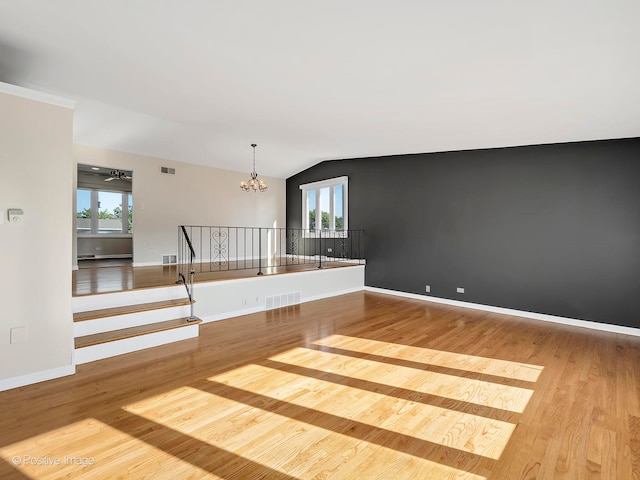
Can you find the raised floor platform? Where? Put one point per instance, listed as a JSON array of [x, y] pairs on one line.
[[92, 281], [119, 310]]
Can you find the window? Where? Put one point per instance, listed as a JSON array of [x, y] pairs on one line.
[[324, 206], [102, 212]]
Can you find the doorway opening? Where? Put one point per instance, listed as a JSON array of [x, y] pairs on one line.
[[104, 217]]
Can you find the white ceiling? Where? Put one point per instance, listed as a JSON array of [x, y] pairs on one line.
[[200, 80]]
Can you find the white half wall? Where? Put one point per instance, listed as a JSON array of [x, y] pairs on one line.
[[36, 175], [195, 195], [231, 298]]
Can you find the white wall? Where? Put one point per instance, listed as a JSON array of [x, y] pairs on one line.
[[218, 300], [36, 175], [195, 195]]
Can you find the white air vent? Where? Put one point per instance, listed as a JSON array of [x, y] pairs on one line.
[[169, 260], [170, 171], [282, 300]]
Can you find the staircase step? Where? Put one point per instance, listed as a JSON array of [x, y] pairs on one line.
[[115, 335], [126, 309]]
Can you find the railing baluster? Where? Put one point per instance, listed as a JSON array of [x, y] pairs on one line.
[[282, 247], [260, 251]]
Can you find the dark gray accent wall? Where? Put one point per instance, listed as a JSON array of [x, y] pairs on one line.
[[551, 229]]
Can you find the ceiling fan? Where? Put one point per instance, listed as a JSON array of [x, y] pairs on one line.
[[118, 175]]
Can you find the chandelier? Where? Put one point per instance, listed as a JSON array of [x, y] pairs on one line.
[[253, 184]]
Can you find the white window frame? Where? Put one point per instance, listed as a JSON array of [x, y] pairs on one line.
[[95, 211], [317, 186]]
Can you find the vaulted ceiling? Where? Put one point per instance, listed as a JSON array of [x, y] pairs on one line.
[[200, 80]]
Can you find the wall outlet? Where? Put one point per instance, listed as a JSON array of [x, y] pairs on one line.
[[329, 250], [427, 288], [460, 290]]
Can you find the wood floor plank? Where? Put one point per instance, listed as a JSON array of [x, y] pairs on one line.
[[113, 335], [363, 386], [114, 311]]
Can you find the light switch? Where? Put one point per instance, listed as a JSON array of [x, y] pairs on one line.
[[18, 335]]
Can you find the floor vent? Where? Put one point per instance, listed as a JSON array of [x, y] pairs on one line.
[[169, 260], [282, 300]]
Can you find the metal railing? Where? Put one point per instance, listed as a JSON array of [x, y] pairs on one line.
[[186, 266], [217, 248]]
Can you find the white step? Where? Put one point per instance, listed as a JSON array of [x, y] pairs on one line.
[[121, 346], [84, 303]]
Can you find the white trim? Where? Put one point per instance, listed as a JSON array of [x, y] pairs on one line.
[[329, 183], [36, 377], [146, 264], [324, 183], [128, 320], [332, 294], [106, 257], [134, 344], [37, 96], [104, 235], [234, 313], [604, 327], [98, 301]]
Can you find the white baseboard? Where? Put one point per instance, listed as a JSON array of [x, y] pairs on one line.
[[604, 327], [331, 294], [36, 377], [147, 264], [235, 313]]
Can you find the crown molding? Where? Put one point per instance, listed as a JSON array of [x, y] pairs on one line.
[[37, 96]]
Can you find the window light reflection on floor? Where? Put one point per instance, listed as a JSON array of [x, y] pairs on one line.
[[470, 363], [292, 446]]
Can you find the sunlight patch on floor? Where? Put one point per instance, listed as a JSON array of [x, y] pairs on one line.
[[295, 447], [459, 430], [479, 392], [460, 361], [78, 450]]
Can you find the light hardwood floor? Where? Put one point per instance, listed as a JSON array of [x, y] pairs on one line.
[[360, 386], [91, 281]]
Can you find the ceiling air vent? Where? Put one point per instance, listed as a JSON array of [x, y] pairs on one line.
[[170, 171]]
